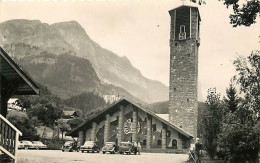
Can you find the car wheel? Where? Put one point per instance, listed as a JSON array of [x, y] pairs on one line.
[[92, 151], [62, 150], [104, 152], [82, 151], [87, 151]]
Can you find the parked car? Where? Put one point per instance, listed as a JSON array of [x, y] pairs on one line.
[[109, 147], [128, 148], [20, 145], [70, 146], [89, 146], [39, 145], [27, 144]]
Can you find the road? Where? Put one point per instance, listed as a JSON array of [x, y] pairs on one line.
[[56, 156]]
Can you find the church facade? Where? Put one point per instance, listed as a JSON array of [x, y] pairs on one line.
[[126, 121]]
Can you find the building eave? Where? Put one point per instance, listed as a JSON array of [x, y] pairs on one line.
[[73, 132]]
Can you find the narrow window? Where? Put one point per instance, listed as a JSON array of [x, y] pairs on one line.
[[154, 127], [144, 142], [159, 142], [182, 28]]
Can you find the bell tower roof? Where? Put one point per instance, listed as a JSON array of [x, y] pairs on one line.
[[186, 6]]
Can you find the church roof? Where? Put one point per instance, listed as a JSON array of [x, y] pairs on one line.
[[125, 100]]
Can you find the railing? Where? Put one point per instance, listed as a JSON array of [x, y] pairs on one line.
[[9, 136]]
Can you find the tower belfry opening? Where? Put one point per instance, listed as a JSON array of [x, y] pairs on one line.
[[183, 99]]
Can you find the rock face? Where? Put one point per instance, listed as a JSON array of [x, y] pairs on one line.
[[36, 42]]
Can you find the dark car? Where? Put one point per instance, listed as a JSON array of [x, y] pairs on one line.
[[28, 145], [89, 146], [109, 147], [70, 146], [128, 148]]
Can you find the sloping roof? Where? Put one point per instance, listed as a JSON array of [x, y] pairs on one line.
[[164, 116], [14, 74], [190, 6], [69, 112], [71, 133]]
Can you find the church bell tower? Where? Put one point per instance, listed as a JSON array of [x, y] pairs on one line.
[[184, 44]]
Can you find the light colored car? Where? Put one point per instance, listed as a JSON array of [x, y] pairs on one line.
[[109, 147], [28, 145], [89, 146], [39, 145], [20, 145]]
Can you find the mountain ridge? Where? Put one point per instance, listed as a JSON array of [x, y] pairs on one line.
[[71, 38]]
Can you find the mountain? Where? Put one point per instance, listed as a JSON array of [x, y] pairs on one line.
[[42, 44]]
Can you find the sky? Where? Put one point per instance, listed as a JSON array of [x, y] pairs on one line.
[[140, 30]]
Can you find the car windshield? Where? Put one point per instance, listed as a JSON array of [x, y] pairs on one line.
[[126, 144], [37, 142], [68, 143], [27, 142], [89, 143], [110, 144]]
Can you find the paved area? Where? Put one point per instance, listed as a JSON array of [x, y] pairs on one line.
[[56, 156]]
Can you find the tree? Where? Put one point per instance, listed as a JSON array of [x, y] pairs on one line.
[[21, 121], [75, 122], [240, 130], [63, 126], [245, 15], [231, 100], [248, 77], [211, 122]]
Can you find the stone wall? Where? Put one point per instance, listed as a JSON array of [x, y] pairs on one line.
[[183, 101]]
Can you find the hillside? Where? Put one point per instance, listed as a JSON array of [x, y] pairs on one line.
[[29, 39], [162, 107]]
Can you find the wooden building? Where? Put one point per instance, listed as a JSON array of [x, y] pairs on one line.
[[128, 121], [13, 81]]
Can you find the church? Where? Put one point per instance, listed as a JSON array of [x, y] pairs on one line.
[[126, 120]]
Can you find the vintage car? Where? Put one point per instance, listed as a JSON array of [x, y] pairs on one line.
[[28, 145], [89, 146], [109, 147], [39, 145], [70, 146], [20, 145], [128, 148]]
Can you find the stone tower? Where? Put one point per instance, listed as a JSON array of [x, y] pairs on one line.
[[184, 43]]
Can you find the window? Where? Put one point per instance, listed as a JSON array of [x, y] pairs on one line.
[[174, 144], [182, 28], [176, 44], [144, 142], [168, 133], [154, 127], [159, 142]]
